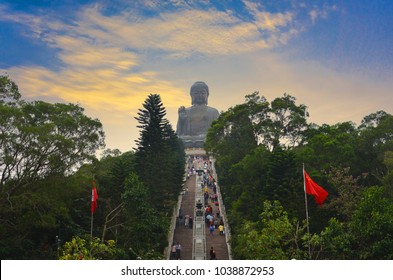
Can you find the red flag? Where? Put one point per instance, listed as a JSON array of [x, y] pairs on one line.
[[94, 198], [314, 189]]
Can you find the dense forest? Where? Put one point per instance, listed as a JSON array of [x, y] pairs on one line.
[[48, 166], [260, 148]]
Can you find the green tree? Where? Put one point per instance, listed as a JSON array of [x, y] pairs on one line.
[[264, 175], [331, 145], [147, 227], [174, 163], [87, 248], [125, 214], [274, 236], [243, 194], [346, 196], [233, 135], [42, 139], [159, 155], [376, 138], [9, 92], [335, 241], [372, 226], [388, 178], [110, 173], [237, 132], [285, 123], [40, 145], [150, 152], [373, 120]]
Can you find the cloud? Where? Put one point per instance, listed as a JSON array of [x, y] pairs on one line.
[[266, 20], [97, 69], [188, 31], [101, 55], [317, 13], [111, 62]]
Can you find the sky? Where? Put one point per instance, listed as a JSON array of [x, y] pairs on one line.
[[334, 56]]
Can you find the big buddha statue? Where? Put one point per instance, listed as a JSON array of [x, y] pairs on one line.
[[194, 121]]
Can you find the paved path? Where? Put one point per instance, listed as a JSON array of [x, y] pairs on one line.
[[217, 241], [184, 235]]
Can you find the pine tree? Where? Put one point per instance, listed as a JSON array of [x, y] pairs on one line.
[[158, 150], [151, 122]]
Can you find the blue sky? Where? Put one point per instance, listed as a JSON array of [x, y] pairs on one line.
[[335, 57]]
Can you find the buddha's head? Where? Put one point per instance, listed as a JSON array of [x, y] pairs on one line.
[[199, 93]]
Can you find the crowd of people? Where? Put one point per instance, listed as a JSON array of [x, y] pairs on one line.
[[211, 210], [213, 218]]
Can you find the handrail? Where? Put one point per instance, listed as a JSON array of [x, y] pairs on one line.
[[199, 238]]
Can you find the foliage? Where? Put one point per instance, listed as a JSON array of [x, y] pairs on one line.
[[39, 139], [346, 196], [272, 237], [372, 226], [263, 175], [232, 136], [375, 138], [159, 155], [388, 178], [87, 248], [9, 92], [285, 123], [335, 241], [353, 223], [32, 218], [331, 145], [280, 123], [233, 128], [148, 228], [40, 145], [236, 133]]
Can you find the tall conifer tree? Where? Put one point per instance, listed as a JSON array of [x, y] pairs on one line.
[[155, 153]]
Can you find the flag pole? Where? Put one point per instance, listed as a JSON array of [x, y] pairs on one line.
[[91, 209], [308, 228], [91, 226]]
